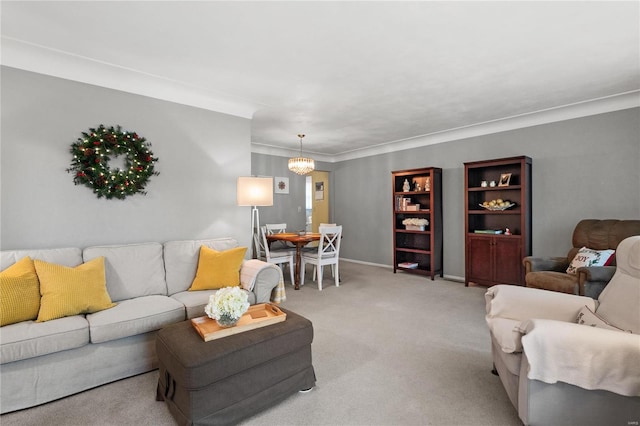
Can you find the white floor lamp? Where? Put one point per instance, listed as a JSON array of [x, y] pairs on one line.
[[255, 191]]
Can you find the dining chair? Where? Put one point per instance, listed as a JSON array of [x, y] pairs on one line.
[[313, 246], [278, 228], [278, 257], [327, 253]]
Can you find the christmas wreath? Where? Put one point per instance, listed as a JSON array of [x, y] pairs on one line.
[[90, 163]]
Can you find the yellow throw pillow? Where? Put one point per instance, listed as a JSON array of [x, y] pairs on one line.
[[218, 269], [71, 291], [19, 292]]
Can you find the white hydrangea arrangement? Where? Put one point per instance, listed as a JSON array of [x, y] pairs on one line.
[[227, 305], [415, 221]]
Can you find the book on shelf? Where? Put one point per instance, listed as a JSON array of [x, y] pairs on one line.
[[408, 265], [488, 231]]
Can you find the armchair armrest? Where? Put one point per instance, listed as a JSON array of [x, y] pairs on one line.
[[593, 279], [588, 357], [534, 264], [522, 303]]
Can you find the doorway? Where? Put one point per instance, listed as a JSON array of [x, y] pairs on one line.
[[317, 200]]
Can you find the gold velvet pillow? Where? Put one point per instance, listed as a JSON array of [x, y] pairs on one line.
[[71, 291], [218, 269], [19, 292]]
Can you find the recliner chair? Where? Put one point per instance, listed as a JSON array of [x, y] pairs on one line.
[[549, 273], [569, 359]]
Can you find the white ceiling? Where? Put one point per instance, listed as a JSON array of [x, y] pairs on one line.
[[355, 77]]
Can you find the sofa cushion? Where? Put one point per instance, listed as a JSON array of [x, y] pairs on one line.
[[590, 257], [181, 260], [70, 291], [218, 269], [132, 270], [30, 339], [134, 316], [195, 301], [62, 256], [19, 292]]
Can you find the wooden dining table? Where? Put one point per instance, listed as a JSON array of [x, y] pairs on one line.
[[299, 241]]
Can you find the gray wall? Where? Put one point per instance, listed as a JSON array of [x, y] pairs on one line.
[[582, 168], [201, 154], [287, 208]]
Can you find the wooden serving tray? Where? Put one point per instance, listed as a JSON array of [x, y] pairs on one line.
[[256, 316]]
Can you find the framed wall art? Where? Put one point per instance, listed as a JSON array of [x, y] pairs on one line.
[[281, 185]]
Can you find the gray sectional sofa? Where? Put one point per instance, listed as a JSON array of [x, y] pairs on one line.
[[41, 362]]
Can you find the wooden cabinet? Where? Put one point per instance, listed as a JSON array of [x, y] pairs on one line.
[[417, 194], [497, 220]]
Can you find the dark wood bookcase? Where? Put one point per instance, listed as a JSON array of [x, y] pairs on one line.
[[417, 246], [491, 255]]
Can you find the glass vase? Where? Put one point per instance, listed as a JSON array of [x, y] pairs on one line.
[[226, 321]]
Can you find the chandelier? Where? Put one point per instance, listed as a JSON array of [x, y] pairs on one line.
[[301, 165]]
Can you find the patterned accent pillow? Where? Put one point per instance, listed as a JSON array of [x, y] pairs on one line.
[[587, 317], [589, 257]]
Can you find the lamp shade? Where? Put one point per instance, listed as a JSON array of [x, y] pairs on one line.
[[255, 191]]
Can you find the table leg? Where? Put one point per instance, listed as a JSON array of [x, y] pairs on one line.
[[297, 271]]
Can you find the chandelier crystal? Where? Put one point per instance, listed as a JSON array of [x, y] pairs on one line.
[[301, 165]]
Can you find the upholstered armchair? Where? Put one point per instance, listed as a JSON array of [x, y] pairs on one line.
[[549, 273], [570, 359]]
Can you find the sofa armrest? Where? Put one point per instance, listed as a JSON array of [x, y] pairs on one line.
[[587, 357], [523, 303], [260, 277], [593, 279], [534, 264]]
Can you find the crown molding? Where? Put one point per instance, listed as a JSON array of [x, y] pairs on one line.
[[566, 112], [260, 148], [43, 60]]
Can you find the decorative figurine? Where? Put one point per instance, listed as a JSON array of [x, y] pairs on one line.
[[507, 231], [484, 184], [492, 183], [427, 184], [405, 186], [417, 186]]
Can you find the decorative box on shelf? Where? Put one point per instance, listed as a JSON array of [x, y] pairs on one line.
[[414, 227], [413, 207]]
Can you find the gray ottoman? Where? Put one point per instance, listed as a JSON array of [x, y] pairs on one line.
[[226, 380]]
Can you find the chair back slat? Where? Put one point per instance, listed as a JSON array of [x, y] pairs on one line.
[[276, 228], [330, 237]]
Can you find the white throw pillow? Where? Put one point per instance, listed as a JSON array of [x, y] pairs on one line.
[[587, 317], [589, 257]]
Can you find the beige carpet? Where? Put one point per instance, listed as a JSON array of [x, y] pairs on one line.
[[389, 349]]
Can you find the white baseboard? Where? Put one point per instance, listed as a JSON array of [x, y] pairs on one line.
[[445, 276], [366, 263]]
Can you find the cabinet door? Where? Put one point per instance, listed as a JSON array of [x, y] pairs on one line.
[[479, 259], [508, 260]]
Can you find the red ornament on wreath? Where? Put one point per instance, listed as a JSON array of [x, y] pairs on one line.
[[91, 156]]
